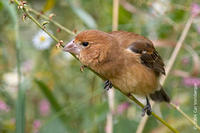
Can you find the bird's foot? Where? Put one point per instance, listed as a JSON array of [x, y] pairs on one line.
[[147, 108], [107, 85], [82, 68]]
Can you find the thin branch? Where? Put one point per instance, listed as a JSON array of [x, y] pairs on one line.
[[177, 49], [115, 15], [26, 11], [156, 116], [130, 96], [50, 19], [185, 115], [168, 69], [40, 26]]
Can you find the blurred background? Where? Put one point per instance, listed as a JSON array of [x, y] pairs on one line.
[[59, 98]]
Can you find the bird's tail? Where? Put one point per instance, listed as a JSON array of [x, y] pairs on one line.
[[160, 96]]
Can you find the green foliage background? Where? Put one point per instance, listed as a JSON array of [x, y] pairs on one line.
[[78, 101]]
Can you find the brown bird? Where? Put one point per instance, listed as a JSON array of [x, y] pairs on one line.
[[127, 60]]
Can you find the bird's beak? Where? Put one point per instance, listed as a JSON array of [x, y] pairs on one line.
[[72, 48]]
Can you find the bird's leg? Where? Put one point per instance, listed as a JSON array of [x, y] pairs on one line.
[[107, 85], [82, 68], [147, 108]]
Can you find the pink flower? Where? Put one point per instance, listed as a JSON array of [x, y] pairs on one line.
[[36, 126], [195, 9], [122, 107], [191, 81], [4, 107], [44, 108]]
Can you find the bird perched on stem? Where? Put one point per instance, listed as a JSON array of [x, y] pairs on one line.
[[127, 60]]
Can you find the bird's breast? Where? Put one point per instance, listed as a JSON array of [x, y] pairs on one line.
[[127, 73], [136, 79]]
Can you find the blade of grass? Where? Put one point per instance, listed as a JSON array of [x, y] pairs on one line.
[[20, 112], [20, 105]]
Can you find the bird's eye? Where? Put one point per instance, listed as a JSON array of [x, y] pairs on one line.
[[85, 44]]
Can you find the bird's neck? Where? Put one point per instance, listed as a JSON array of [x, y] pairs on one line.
[[112, 65]]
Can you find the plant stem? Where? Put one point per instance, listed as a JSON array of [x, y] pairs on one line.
[[111, 92], [39, 25], [28, 9], [115, 15], [52, 21], [20, 108], [176, 50], [21, 94], [156, 116], [185, 115]]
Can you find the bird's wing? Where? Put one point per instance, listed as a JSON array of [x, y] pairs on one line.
[[141, 45]]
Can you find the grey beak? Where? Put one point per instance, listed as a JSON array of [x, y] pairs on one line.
[[71, 47]]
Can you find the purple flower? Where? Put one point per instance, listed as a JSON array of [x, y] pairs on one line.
[[195, 9], [4, 107], [36, 126], [44, 108], [191, 81], [122, 107]]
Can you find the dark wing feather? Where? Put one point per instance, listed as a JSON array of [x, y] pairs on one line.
[[149, 56]]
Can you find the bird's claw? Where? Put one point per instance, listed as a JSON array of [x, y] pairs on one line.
[[147, 108], [82, 68], [108, 85]]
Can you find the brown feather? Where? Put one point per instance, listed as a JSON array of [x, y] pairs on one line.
[[141, 45]]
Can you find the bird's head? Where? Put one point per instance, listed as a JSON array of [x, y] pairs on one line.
[[91, 46]]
